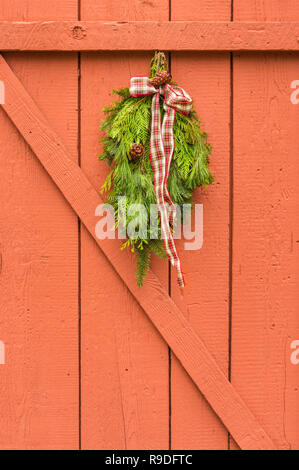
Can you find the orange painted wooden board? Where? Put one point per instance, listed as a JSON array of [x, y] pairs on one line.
[[125, 385], [39, 252], [130, 410], [175, 36], [205, 300], [266, 230]]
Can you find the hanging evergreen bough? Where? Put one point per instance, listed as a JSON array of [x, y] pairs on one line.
[[126, 147]]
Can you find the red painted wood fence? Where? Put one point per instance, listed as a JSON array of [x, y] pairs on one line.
[[91, 361]]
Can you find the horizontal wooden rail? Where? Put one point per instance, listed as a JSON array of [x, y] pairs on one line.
[[174, 35], [152, 297]]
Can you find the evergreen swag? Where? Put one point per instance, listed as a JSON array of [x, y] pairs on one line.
[[128, 121]]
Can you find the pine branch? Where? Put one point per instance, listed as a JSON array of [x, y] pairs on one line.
[[127, 121], [143, 258], [157, 247]]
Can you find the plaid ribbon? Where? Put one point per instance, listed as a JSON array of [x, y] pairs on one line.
[[161, 152]]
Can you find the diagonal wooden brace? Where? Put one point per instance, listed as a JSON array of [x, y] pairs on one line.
[[152, 297]]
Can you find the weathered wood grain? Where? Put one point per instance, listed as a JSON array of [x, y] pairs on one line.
[[206, 76], [165, 315], [266, 10], [266, 230], [148, 35], [38, 238], [35, 10], [130, 410]]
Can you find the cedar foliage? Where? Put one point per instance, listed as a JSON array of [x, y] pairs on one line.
[[128, 121]]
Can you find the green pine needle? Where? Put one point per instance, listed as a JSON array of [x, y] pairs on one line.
[[143, 258]]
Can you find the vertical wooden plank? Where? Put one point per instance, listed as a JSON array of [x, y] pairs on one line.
[[266, 230], [35, 10], [206, 296], [266, 10], [124, 360], [38, 245]]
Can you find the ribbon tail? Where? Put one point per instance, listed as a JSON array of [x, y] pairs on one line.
[[161, 151], [168, 142]]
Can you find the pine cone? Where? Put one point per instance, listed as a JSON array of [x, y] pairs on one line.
[[161, 78], [136, 151]]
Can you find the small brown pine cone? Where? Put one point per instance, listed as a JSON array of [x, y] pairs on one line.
[[161, 78], [136, 151]]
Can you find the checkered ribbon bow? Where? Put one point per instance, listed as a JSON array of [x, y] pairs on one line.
[[161, 151]]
